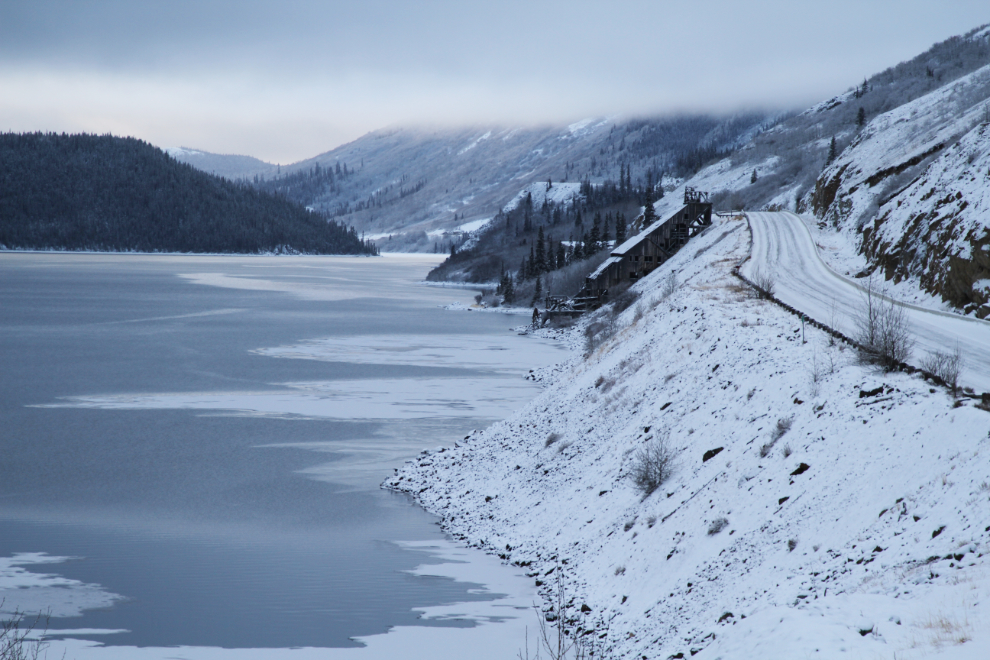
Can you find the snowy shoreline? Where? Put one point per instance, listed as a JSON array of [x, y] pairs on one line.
[[863, 531]]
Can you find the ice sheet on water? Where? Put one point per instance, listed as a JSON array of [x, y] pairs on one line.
[[490, 353], [23, 590], [500, 628]]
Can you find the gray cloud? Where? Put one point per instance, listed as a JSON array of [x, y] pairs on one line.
[[286, 80]]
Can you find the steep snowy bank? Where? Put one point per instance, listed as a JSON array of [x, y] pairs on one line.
[[861, 530]]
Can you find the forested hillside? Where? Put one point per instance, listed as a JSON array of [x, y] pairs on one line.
[[88, 192], [551, 237]]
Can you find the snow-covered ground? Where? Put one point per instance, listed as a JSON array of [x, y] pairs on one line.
[[843, 256], [783, 248], [861, 531]]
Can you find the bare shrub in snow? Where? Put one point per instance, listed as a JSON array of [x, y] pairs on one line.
[[552, 438], [554, 636], [946, 366], [786, 451], [597, 332], [883, 330], [717, 526], [629, 525], [620, 570], [21, 638], [564, 445], [652, 465], [816, 372], [669, 286], [624, 301], [765, 283], [638, 314], [791, 545], [782, 427], [652, 520]]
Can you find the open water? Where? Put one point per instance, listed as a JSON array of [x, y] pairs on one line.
[[192, 446]]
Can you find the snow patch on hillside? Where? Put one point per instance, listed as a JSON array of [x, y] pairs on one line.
[[559, 193], [182, 151], [474, 143], [816, 508], [909, 131]]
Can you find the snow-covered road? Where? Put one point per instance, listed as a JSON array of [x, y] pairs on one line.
[[784, 248]]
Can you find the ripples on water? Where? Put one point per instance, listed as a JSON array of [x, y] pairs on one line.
[[192, 448]]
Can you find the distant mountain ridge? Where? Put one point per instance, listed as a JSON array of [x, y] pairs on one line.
[[411, 185], [223, 165]]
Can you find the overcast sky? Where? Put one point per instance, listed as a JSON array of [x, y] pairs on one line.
[[290, 79]]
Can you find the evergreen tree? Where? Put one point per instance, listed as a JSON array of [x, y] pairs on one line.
[[832, 152], [508, 290], [620, 229], [540, 262], [649, 214], [561, 255], [595, 237], [605, 238], [538, 291], [532, 272], [752, 178], [861, 117]]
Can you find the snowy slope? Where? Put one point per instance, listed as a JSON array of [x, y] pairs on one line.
[[938, 229], [783, 247], [877, 547], [911, 189]]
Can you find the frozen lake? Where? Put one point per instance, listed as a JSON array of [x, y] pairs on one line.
[[192, 448]]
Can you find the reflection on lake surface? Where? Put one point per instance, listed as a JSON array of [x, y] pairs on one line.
[[192, 447]]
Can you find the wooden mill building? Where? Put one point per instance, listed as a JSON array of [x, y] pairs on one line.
[[639, 255]]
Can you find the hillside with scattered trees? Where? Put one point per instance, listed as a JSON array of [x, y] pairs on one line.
[[544, 244], [105, 193], [405, 187]]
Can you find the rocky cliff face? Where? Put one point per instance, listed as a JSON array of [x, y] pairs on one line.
[[913, 186]]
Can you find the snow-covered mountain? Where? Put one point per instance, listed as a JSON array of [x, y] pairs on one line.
[[915, 183], [406, 186], [898, 167], [227, 166]]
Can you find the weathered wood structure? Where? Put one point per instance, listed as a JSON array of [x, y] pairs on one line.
[[639, 255]]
